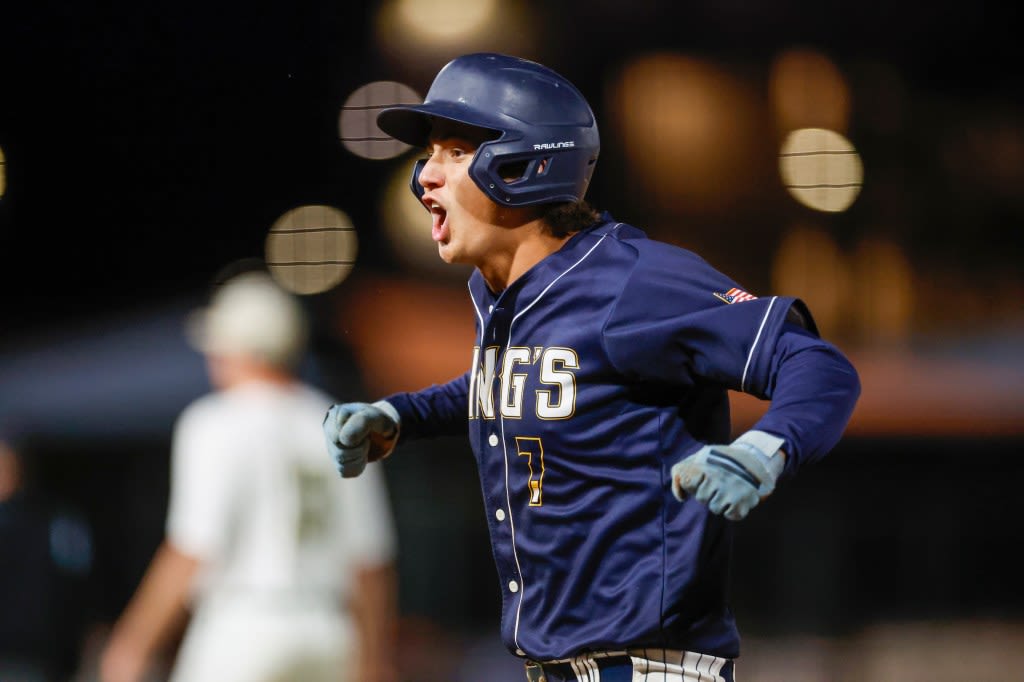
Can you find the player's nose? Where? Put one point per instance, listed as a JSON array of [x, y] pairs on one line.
[[430, 175]]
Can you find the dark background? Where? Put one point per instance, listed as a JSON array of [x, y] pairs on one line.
[[147, 146]]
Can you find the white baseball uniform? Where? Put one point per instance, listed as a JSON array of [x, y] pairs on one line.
[[257, 500]]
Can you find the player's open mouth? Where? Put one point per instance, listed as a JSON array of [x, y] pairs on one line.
[[439, 219]]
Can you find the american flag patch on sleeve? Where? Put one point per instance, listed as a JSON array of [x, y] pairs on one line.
[[735, 295]]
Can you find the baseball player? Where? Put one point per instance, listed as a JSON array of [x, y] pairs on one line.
[[596, 396], [287, 570]]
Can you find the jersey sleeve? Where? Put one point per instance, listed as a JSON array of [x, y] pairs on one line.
[[674, 323], [438, 410], [677, 323], [814, 391]]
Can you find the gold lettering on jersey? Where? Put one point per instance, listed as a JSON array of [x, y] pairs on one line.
[[481, 383], [472, 383], [553, 365], [513, 383], [555, 368], [533, 450]]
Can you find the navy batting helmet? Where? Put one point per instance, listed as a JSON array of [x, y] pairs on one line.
[[540, 119]]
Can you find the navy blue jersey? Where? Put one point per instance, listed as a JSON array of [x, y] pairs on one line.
[[595, 372]]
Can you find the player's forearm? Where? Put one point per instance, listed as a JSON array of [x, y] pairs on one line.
[[159, 606], [376, 610]]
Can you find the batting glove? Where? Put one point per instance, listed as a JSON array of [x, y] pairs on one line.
[[731, 479], [358, 433]]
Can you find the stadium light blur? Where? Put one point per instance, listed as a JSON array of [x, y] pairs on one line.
[[821, 169], [311, 249], [809, 263], [884, 300], [423, 34], [357, 124], [807, 90], [443, 20], [865, 293], [689, 146]]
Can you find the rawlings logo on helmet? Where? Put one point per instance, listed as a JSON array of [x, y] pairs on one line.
[[555, 145]]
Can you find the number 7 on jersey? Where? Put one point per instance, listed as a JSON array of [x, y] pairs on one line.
[[533, 450]]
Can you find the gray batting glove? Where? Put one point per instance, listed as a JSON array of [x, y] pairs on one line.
[[358, 433], [731, 479]]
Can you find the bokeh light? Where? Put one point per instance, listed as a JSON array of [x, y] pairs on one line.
[[821, 169], [357, 124], [885, 292], [807, 90], [311, 249], [809, 263], [420, 33], [443, 20], [688, 129]]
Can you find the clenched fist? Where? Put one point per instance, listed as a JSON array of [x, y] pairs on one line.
[[358, 433]]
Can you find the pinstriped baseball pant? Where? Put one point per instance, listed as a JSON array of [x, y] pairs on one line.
[[635, 665]]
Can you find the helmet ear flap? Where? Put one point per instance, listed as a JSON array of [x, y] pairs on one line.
[[522, 169], [513, 174], [414, 180]]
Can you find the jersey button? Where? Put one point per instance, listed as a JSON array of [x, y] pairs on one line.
[[499, 514], [513, 586], [493, 440]]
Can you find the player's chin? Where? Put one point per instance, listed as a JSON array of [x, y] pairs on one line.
[[446, 252]]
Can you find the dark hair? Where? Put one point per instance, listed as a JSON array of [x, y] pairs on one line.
[[563, 219]]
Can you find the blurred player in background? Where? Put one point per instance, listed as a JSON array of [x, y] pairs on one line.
[[287, 571], [597, 396]]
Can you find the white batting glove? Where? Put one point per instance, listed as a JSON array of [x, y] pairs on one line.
[[731, 479], [358, 433]]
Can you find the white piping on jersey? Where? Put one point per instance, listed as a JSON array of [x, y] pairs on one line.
[[504, 445], [750, 356], [564, 273], [479, 317]]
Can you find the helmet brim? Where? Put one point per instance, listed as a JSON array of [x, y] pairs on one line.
[[411, 123]]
